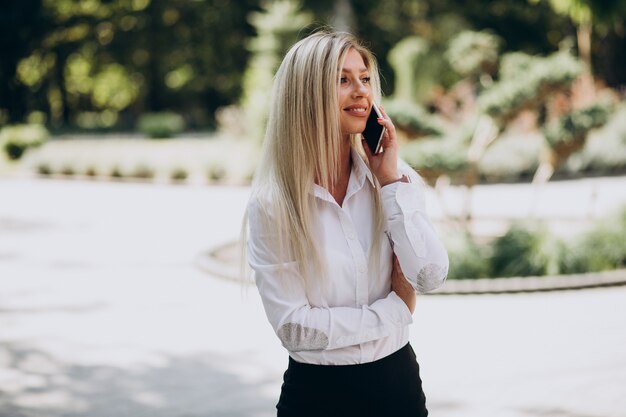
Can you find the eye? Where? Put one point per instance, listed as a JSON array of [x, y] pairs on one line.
[[365, 80], [343, 80]]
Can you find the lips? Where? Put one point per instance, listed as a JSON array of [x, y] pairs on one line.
[[358, 110]]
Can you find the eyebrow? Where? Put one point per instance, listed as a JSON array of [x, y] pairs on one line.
[[363, 69]]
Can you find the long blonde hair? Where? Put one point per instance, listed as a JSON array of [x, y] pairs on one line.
[[303, 141]]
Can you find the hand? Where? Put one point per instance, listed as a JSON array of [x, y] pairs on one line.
[[384, 165], [402, 287]]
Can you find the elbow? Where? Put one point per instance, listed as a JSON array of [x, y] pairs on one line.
[[296, 337], [432, 276]]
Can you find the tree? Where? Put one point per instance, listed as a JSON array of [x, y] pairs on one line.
[[277, 28], [587, 14], [22, 28]]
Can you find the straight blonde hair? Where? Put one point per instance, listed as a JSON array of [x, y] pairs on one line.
[[302, 143]]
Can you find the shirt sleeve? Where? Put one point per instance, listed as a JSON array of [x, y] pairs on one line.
[[422, 256], [299, 325]]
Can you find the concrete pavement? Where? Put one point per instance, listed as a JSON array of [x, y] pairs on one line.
[[103, 313]]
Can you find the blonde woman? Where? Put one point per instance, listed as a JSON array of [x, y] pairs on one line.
[[339, 240]]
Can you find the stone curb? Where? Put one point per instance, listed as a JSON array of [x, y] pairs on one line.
[[230, 270]]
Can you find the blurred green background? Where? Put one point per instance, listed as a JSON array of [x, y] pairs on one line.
[[481, 92], [101, 64]]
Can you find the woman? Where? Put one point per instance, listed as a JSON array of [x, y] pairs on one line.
[[339, 240]]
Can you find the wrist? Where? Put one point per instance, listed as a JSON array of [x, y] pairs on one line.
[[392, 180]]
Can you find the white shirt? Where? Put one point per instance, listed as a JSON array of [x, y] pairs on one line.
[[352, 316]]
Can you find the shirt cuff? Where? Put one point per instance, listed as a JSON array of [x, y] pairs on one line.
[[406, 317]]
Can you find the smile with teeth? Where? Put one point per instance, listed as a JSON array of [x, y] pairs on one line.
[[357, 111]]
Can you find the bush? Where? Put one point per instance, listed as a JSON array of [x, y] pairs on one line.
[[605, 150], [509, 95], [433, 157], [161, 125], [116, 172], [528, 250], [16, 139], [471, 53], [575, 125], [216, 172], [142, 171], [525, 250], [467, 258], [511, 159], [68, 170], [178, 174], [44, 168], [413, 119], [602, 248], [91, 171]]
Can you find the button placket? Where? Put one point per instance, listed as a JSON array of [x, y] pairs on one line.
[[358, 257]]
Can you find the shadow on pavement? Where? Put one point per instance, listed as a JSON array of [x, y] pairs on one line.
[[33, 383]]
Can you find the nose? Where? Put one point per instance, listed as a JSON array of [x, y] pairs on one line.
[[360, 89]]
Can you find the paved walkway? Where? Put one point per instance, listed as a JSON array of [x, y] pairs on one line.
[[102, 313]]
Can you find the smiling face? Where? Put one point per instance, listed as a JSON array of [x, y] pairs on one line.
[[355, 94]]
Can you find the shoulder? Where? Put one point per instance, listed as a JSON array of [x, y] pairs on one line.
[[260, 209]]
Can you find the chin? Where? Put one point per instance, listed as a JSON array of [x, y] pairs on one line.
[[353, 130]]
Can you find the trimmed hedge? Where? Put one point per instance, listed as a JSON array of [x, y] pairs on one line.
[[17, 139], [161, 125], [530, 250]]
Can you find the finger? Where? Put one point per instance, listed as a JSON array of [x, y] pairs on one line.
[[383, 112]]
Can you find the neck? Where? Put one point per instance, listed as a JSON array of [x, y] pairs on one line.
[[340, 186]]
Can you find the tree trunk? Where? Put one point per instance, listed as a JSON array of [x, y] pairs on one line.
[[587, 88], [343, 18], [155, 87], [62, 54]]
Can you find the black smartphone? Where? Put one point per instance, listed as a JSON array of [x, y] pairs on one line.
[[374, 131]]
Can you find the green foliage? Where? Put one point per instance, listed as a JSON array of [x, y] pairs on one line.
[[409, 59], [160, 125], [412, 119], [71, 56], [116, 172], [468, 260], [601, 248], [472, 53], [17, 139], [179, 174], [577, 124], [432, 157], [511, 159], [515, 65], [44, 169], [216, 172], [142, 171], [91, 171], [277, 28], [68, 170], [527, 249], [524, 250], [605, 149], [527, 89]]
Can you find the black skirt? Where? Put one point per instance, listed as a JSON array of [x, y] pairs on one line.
[[388, 387]]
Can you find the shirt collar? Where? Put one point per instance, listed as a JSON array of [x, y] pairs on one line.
[[359, 172], [360, 169]]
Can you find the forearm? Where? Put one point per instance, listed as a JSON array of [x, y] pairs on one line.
[[420, 252]]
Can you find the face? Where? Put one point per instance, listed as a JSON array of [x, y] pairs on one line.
[[354, 94]]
